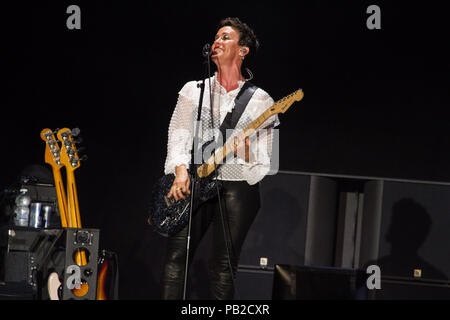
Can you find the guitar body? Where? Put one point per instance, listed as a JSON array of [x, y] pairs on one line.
[[167, 216], [103, 267], [55, 289], [108, 271], [54, 286]]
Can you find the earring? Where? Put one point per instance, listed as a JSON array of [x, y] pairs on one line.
[[241, 55]]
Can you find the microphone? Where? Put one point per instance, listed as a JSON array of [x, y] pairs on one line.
[[206, 50]]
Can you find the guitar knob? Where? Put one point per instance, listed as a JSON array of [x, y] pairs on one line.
[[88, 272]]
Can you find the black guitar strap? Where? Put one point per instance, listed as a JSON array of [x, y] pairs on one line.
[[241, 101]]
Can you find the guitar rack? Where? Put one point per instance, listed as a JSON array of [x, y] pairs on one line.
[[88, 241]]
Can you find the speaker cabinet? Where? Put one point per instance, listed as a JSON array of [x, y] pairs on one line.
[[324, 283], [296, 222], [253, 283], [405, 232], [395, 288], [405, 229]]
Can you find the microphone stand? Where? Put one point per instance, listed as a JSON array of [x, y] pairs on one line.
[[193, 175]]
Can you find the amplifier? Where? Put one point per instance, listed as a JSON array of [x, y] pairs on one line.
[[29, 256], [253, 283]]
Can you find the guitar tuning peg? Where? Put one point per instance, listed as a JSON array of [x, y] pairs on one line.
[[76, 131], [83, 158], [55, 131]]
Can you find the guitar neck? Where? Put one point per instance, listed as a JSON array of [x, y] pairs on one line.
[[75, 218], [61, 195], [73, 208], [221, 153], [52, 156]]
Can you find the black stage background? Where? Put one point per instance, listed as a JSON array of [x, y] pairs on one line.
[[375, 100]]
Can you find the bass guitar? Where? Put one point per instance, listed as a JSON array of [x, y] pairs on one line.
[[167, 216], [57, 157], [53, 158]]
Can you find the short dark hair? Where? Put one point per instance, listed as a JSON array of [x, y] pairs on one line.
[[247, 37]]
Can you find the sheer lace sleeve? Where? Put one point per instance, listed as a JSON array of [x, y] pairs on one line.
[[179, 143], [261, 146]]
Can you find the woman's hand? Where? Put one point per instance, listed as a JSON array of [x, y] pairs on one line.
[[181, 184]]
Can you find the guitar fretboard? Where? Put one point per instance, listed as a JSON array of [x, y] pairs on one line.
[[221, 153]]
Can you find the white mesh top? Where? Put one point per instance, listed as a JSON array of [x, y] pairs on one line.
[[183, 125]]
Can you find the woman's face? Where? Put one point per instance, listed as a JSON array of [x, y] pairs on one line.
[[225, 48]]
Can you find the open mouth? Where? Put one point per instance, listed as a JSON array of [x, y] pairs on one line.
[[217, 51]]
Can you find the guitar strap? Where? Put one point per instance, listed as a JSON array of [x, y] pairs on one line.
[[241, 101]]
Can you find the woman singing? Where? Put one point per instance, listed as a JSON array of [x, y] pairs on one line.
[[234, 43]]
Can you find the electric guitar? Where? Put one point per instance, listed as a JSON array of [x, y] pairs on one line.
[[57, 157], [53, 158], [71, 161], [167, 216]]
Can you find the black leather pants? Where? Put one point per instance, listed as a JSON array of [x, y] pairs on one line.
[[240, 204]]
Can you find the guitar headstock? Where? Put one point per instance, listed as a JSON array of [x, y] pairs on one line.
[[282, 105], [52, 150], [69, 153]]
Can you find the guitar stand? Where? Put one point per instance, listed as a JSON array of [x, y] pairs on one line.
[[86, 240]]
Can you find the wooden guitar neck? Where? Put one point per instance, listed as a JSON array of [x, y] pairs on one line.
[[221, 153], [52, 157]]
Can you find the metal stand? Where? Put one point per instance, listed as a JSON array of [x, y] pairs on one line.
[[193, 175]]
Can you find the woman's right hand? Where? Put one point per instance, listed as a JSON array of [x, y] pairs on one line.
[[181, 184]]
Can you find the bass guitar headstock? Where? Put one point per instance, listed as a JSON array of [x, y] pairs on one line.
[[69, 152], [52, 150]]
